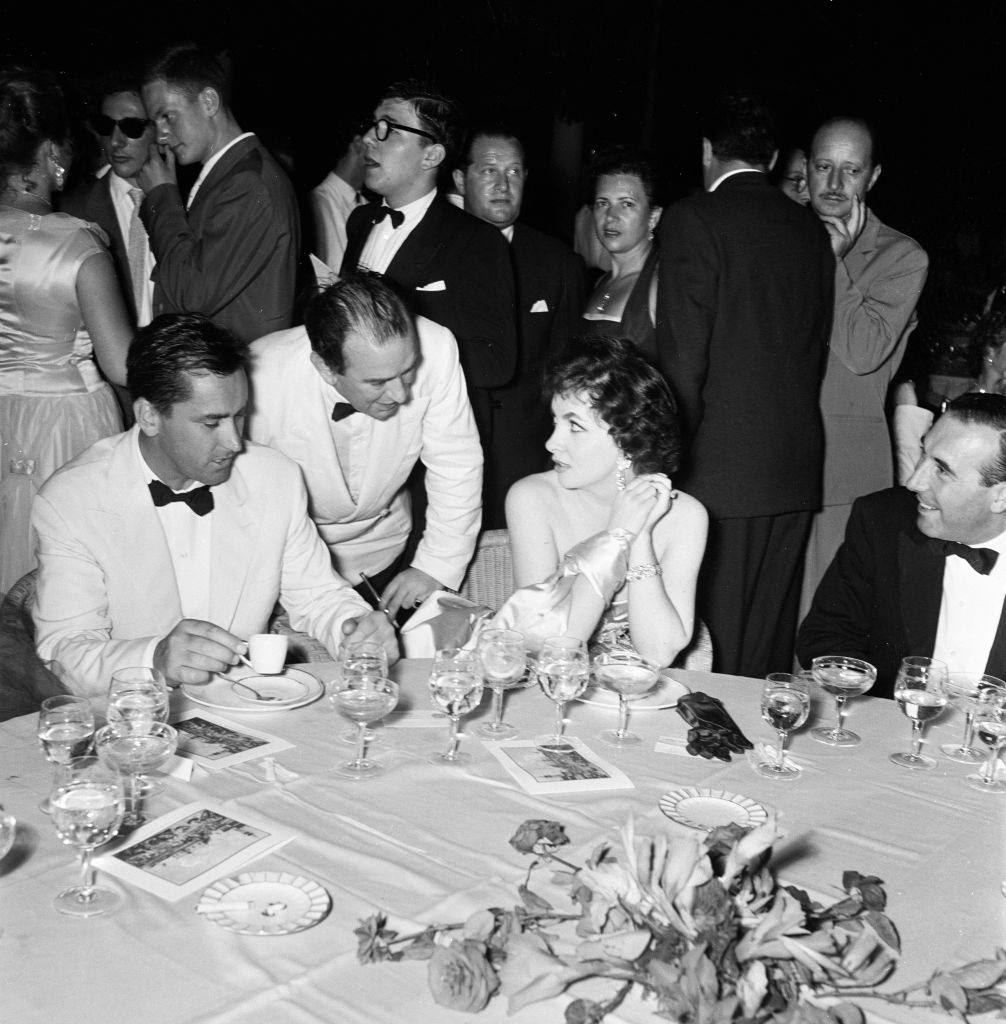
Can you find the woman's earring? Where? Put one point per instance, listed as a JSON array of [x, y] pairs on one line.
[[59, 173], [622, 472]]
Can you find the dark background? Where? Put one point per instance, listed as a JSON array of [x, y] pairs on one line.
[[632, 72]]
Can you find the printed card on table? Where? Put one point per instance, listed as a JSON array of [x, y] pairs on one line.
[[182, 852], [214, 743], [570, 768]]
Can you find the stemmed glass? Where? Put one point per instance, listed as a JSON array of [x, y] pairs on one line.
[[990, 717], [360, 659], [86, 812], [65, 730], [785, 705], [364, 699], [563, 676], [963, 691], [919, 691], [123, 746], [455, 688], [137, 697], [843, 678], [628, 675], [503, 661]]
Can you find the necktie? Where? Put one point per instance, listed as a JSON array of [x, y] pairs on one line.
[[199, 499], [136, 250], [341, 410], [396, 216], [982, 560]]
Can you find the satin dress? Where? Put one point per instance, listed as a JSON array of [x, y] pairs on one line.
[[53, 401]]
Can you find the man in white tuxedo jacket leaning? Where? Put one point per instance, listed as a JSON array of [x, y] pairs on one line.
[[357, 397], [168, 545]]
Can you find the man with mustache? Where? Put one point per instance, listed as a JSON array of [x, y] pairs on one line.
[[879, 274]]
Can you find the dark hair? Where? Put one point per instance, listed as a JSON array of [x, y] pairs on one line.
[[120, 78], [437, 114], [32, 111], [984, 410], [628, 394], [192, 68], [173, 345], [488, 130], [362, 302], [740, 127], [857, 122], [991, 329], [625, 160]]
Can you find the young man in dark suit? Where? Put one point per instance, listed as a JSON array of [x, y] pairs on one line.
[[549, 280], [921, 570], [743, 316]]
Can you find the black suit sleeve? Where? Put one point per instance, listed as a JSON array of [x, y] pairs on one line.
[[572, 299]]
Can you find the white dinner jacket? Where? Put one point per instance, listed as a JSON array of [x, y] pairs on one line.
[[367, 530], [106, 584]]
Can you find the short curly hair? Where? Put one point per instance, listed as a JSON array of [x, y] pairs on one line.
[[628, 394]]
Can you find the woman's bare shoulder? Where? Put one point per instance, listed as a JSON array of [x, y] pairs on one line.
[[686, 515], [532, 492]]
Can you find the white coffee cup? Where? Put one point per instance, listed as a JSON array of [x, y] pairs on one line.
[[267, 652]]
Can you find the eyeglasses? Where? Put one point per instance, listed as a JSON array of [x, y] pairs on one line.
[[131, 127], [383, 125]]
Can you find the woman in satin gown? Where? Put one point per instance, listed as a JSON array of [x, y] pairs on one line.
[[605, 548], [59, 307]]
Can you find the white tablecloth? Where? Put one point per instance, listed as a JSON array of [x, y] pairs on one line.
[[429, 844]]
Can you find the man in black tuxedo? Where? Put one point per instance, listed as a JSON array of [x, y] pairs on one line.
[[549, 281], [921, 570], [743, 316], [455, 269]]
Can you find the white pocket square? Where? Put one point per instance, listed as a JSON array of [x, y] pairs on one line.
[[541, 306], [433, 286]]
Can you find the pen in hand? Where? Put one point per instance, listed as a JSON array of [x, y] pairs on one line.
[[381, 606]]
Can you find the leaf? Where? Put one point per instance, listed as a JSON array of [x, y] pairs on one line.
[[530, 974], [846, 1013], [421, 948], [626, 945], [985, 1002], [479, 926], [533, 903], [947, 992], [980, 974], [884, 927]]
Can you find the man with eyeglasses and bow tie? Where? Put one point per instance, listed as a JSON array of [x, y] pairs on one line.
[[357, 397], [168, 546], [454, 268], [921, 570]]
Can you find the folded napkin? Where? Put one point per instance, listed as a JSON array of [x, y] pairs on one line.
[[713, 732], [765, 753], [442, 620]]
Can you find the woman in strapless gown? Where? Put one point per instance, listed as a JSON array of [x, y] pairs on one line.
[[624, 301], [59, 305], [604, 548]]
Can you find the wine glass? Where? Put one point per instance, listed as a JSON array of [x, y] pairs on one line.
[[919, 691], [364, 699], [628, 675], [785, 705], [8, 832], [137, 697], [123, 746], [563, 676], [843, 678], [963, 690], [503, 661], [87, 808], [364, 659], [455, 688], [990, 718], [65, 730]]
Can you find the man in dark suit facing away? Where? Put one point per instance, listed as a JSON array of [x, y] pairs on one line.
[[743, 317]]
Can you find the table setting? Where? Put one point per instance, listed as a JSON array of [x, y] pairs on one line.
[[273, 853]]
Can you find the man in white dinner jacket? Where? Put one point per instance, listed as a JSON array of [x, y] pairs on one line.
[[168, 545], [356, 398]]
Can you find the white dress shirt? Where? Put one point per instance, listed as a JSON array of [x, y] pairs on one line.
[[970, 610], [331, 204], [208, 166], [123, 206], [356, 470], [384, 240], [729, 174]]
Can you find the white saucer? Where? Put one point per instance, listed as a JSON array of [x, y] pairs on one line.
[[274, 691], [219, 695], [707, 809], [665, 694], [278, 903]]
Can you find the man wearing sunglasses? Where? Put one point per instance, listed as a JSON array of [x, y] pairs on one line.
[[455, 268], [230, 251]]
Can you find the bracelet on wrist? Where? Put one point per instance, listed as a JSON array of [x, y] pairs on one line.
[[642, 572]]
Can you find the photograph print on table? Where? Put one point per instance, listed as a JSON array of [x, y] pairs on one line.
[[570, 768], [215, 743]]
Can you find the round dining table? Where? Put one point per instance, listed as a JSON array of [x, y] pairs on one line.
[[427, 843]]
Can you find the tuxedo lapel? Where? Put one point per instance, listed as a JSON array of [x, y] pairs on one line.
[[222, 168], [920, 592], [996, 665], [428, 237], [234, 539], [357, 231]]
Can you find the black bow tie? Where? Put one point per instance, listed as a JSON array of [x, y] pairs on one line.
[[397, 217], [341, 410], [982, 560], [199, 499]]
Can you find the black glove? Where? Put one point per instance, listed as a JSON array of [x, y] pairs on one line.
[[713, 732]]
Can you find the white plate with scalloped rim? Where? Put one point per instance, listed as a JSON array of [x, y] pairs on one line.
[[278, 903], [219, 694], [707, 809]]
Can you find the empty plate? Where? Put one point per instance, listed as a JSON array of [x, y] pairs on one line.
[[710, 808], [219, 693], [665, 694], [265, 903]]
